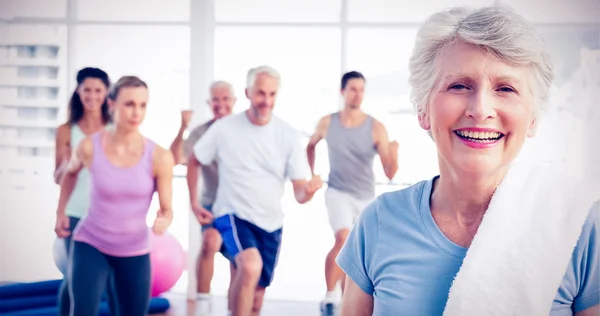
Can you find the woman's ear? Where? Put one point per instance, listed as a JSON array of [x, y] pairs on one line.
[[424, 121]]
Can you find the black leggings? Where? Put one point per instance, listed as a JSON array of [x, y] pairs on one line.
[[90, 271], [64, 300]]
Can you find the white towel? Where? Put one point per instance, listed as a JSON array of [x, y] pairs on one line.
[[523, 246]]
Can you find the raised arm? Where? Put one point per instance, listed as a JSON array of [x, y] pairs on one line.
[[79, 160], [162, 164], [62, 151], [178, 143], [388, 151], [320, 133]]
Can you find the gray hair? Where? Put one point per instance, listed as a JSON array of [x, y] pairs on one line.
[[222, 84], [262, 70], [497, 29]]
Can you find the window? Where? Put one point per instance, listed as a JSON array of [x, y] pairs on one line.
[[133, 10], [12, 9], [557, 11], [381, 11], [568, 132], [382, 55], [159, 55], [264, 11], [308, 60]]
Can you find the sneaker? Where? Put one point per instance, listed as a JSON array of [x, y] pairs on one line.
[[203, 307], [327, 309]]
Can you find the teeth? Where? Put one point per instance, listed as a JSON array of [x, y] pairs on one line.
[[479, 135]]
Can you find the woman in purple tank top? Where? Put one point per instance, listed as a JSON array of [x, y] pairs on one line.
[[126, 169]]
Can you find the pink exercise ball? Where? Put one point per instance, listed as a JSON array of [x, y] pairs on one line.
[[167, 260]]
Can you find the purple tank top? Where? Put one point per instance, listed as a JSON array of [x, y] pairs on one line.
[[119, 201]]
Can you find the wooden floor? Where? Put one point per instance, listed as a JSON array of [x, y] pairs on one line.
[[180, 306]]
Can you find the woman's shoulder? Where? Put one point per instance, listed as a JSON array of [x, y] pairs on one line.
[[160, 155]]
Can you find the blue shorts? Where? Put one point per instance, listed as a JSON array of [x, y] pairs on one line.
[[239, 235]]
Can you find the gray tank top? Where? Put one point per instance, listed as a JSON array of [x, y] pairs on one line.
[[351, 153]]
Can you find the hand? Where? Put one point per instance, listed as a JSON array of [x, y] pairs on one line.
[[186, 116], [161, 223], [203, 216], [63, 226], [313, 185]]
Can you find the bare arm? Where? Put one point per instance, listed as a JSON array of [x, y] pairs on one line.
[[592, 311], [62, 151], [355, 301], [164, 162], [178, 143], [192, 177], [177, 148], [79, 160], [320, 133], [388, 151]]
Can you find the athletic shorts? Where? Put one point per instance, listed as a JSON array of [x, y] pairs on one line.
[[239, 235], [342, 208]]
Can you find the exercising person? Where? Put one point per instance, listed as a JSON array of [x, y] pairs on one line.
[[353, 139], [221, 102], [256, 152], [88, 114], [126, 169]]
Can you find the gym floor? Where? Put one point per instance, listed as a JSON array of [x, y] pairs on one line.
[[180, 306]]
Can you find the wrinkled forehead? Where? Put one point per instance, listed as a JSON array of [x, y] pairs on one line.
[[462, 61]]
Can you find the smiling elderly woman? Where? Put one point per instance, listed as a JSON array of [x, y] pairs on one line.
[[480, 78]]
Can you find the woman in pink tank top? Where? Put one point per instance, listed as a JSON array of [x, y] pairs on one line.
[[126, 169]]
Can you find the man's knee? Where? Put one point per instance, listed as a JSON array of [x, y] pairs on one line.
[[211, 242], [249, 264]]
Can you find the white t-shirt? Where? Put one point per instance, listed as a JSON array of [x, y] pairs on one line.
[[254, 162]]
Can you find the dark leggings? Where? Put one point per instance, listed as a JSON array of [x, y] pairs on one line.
[[89, 273], [64, 300]]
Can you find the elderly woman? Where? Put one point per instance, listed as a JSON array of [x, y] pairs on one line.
[[479, 80]]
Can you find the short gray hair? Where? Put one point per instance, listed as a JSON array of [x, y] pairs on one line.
[[261, 70], [222, 84], [497, 29]]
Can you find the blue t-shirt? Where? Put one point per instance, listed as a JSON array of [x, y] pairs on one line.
[[396, 253]]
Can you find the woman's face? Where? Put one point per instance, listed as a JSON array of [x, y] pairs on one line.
[[129, 108], [92, 92], [480, 111]]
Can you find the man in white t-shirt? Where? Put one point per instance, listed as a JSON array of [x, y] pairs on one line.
[[256, 153]]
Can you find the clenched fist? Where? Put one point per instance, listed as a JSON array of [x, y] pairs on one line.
[[313, 185], [161, 223], [203, 216]]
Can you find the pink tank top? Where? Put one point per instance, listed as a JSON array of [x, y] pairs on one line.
[[119, 201]]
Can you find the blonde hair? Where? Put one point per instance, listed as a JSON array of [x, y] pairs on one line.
[[125, 82]]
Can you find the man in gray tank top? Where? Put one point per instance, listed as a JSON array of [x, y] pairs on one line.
[[353, 139], [222, 99]]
